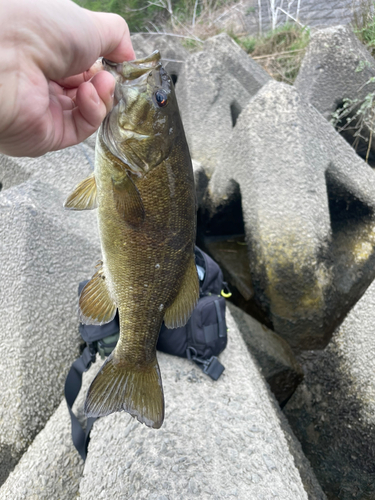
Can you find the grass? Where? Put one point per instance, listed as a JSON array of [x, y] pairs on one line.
[[280, 51], [355, 118], [364, 23]]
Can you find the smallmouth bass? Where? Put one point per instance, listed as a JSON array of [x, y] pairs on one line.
[[143, 188]]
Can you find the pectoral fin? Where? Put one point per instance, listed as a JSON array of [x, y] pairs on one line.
[[95, 304], [128, 201], [84, 195], [179, 312]]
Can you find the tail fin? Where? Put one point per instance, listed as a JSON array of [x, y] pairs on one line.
[[120, 386]]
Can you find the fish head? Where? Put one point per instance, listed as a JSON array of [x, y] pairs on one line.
[[141, 128]]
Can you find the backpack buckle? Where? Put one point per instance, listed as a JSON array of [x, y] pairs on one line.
[[92, 351], [211, 367]]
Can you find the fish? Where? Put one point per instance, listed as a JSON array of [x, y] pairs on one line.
[[143, 189]]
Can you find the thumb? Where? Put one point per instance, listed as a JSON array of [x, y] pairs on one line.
[[114, 36]]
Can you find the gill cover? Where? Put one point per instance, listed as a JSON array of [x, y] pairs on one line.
[[135, 131]]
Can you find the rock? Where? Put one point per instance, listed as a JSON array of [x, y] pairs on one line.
[[231, 253], [62, 169], [333, 411], [219, 439], [173, 54], [308, 208], [200, 180], [276, 360], [139, 45], [337, 66], [46, 251], [213, 88], [51, 468]]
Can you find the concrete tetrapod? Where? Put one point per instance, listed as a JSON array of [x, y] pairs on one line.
[[173, 54], [308, 204], [273, 354], [337, 66], [46, 252], [333, 411], [223, 439], [213, 88], [51, 468]]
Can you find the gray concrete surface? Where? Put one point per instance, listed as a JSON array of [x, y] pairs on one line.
[[51, 468], [46, 252], [173, 54], [308, 205], [275, 358], [333, 411], [224, 439], [213, 88], [336, 66]]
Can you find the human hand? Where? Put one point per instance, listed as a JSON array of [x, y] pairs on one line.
[[52, 95]]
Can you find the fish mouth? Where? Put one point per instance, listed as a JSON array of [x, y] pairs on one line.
[[131, 70], [128, 74]]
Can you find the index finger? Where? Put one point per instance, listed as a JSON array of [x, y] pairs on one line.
[[72, 82]]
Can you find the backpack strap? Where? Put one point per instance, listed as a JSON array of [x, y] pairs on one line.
[[212, 366], [73, 384]]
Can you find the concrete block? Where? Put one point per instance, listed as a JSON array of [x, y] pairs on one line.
[[273, 354], [200, 180], [219, 439], [308, 204], [213, 88], [62, 169], [333, 411], [51, 468], [173, 54], [336, 66], [46, 251]]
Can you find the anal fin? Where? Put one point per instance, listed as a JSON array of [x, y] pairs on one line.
[[95, 304], [121, 386], [178, 313], [84, 196]]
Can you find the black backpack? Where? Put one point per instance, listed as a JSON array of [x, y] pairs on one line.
[[201, 340], [205, 335]]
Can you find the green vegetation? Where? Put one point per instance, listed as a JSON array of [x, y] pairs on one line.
[[140, 14], [136, 12], [364, 23], [280, 52], [355, 118]]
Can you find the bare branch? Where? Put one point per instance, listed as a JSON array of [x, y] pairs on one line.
[[168, 34], [195, 12]]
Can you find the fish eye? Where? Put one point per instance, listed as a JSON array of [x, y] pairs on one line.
[[161, 98]]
